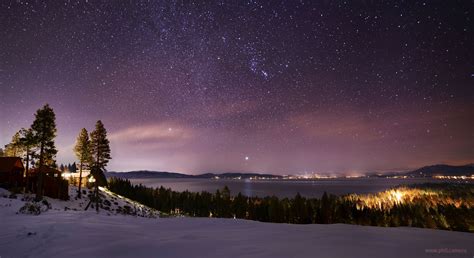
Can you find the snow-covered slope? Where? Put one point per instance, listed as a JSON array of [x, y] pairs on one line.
[[60, 233], [113, 204]]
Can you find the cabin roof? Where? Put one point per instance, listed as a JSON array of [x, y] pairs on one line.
[[10, 163]]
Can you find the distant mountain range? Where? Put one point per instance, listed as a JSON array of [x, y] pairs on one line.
[[160, 174], [427, 171], [442, 170], [430, 171]]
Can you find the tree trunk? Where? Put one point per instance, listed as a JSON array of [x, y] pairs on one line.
[[80, 181], [27, 169], [96, 196], [97, 182], [39, 183], [88, 204]]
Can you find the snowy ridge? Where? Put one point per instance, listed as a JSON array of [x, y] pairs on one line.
[[112, 204]]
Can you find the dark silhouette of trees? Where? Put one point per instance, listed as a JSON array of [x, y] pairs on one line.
[[300, 210], [239, 206], [28, 143], [14, 148], [44, 131], [100, 152], [325, 209], [83, 153]]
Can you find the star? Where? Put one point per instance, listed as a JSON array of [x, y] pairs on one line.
[[313, 85]]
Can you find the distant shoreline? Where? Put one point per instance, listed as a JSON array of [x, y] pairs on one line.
[[465, 172]]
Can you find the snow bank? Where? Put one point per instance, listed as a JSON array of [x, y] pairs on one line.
[[113, 204], [59, 233]]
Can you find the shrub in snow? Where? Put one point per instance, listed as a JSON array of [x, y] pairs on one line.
[[31, 208], [28, 198], [46, 203], [35, 208], [125, 210], [107, 203]]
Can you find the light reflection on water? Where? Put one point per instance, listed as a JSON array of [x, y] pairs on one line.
[[284, 188]]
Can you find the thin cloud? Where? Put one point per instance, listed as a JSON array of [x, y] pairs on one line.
[[162, 132]]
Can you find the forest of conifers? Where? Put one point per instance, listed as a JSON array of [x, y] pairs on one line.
[[439, 206]]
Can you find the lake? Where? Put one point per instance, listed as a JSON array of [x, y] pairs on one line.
[[285, 188]]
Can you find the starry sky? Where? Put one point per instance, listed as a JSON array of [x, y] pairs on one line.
[[285, 87]]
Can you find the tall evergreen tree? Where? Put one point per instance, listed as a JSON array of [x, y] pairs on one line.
[[28, 143], [83, 154], [44, 131], [2, 153], [13, 149], [325, 209], [100, 148], [100, 152], [73, 167]]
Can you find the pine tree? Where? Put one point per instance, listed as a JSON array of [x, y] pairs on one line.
[[28, 142], [13, 149], [100, 149], [240, 206], [325, 209], [44, 131], [83, 154], [100, 152]]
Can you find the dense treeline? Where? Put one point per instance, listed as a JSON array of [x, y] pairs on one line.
[[298, 210]]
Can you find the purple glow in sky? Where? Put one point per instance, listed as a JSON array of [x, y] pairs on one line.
[[280, 87]]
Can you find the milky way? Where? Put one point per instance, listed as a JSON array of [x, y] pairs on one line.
[[262, 86]]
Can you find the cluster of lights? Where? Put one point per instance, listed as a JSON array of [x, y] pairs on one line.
[[403, 195], [250, 178], [454, 177], [311, 176], [397, 177], [262, 178]]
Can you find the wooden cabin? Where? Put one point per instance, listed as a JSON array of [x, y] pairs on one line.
[[54, 185], [11, 172], [11, 175]]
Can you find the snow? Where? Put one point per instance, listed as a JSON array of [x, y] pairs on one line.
[[117, 203], [78, 233]]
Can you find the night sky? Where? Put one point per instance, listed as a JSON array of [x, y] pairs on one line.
[[264, 86]]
